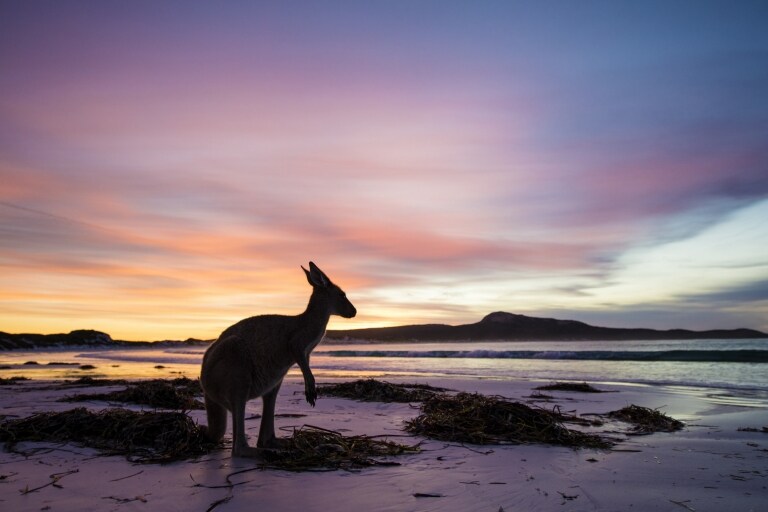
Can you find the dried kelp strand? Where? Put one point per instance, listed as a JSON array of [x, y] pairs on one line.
[[480, 419], [159, 393], [140, 436], [646, 420], [579, 387], [317, 449], [372, 390]]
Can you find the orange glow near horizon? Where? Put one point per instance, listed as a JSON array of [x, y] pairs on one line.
[[165, 172]]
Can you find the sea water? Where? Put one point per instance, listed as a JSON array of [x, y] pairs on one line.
[[728, 364]]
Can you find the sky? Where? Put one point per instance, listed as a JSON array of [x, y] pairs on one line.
[[166, 167]]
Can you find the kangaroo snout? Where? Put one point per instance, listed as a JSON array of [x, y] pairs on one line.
[[349, 312]]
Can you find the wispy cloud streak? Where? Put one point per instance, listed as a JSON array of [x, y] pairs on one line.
[[165, 171]]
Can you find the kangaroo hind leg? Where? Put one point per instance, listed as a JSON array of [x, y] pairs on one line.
[[240, 446], [217, 420], [267, 438]]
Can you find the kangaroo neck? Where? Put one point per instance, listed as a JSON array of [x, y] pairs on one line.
[[317, 314]]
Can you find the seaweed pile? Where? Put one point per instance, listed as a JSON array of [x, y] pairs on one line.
[[372, 390], [143, 437], [479, 419], [579, 387], [159, 393], [317, 449], [88, 381], [764, 430], [645, 420]]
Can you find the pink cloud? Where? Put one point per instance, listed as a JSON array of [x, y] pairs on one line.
[[201, 157]]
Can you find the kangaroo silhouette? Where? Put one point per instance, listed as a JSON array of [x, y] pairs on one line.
[[250, 360]]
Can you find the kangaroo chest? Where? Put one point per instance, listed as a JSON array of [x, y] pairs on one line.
[[315, 342]]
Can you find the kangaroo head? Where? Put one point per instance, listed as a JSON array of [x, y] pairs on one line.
[[337, 300]]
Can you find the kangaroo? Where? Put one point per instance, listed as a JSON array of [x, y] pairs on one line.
[[250, 360]]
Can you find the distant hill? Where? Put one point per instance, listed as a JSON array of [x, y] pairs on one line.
[[78, 338], [496, 326], [512, 327], [83, 337]]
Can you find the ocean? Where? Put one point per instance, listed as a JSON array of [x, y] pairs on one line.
[[723, 364]]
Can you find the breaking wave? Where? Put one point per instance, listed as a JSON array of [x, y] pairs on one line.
[[721, 356]]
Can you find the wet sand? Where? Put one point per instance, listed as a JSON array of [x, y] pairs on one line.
[[710, 465]]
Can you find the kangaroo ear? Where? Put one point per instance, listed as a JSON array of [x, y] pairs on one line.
[[315, 276], [306, 272]]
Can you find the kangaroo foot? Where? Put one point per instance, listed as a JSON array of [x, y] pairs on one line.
[[275, 444], [247, 452]]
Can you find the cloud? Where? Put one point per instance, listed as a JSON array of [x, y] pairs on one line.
[[195, 160], [664, 316], [734, 297]]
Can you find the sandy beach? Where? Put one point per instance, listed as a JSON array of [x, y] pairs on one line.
[[710, 465]]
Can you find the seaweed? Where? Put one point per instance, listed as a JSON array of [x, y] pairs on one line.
[[579, 387], [764, 430], [646, 420], [372, 390], [88, 381], [479, 419], [313, 448], [160, 393], [162, 437], [142, 437]]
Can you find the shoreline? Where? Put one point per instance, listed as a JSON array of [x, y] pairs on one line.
[[710, 465], [547, 362]]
